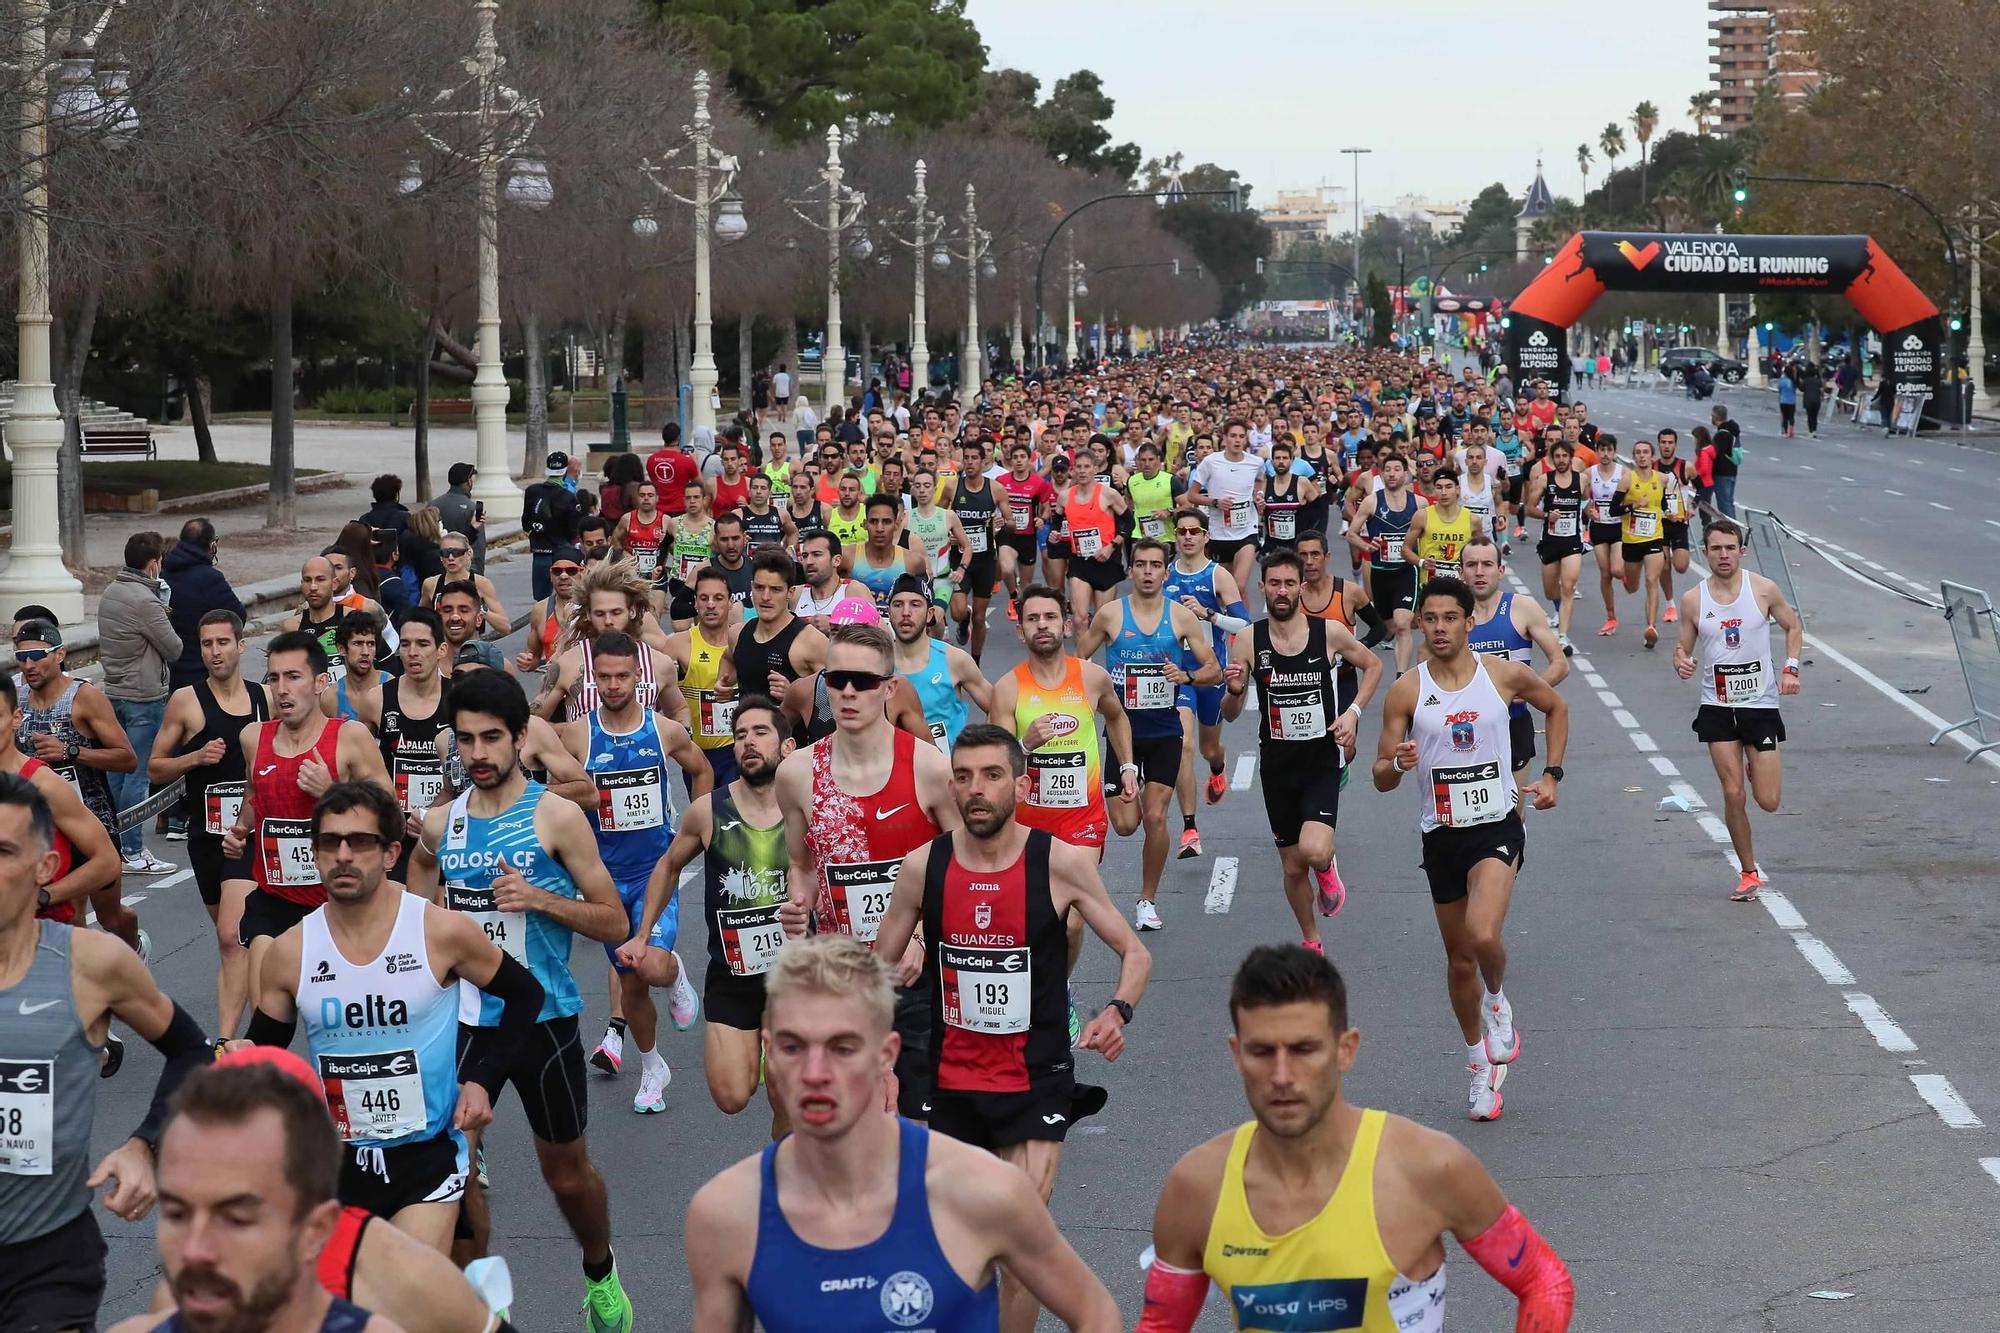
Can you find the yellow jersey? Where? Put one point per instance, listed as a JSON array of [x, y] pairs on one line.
[[1444, 539], [1331, 1272], [714, 718], [1645, 508]]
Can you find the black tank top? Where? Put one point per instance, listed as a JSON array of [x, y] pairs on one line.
[[1297, 693], [755, 660], [1560, 500], [323, 630], [765, 529], [227, 727], [1312, 518], [814, 517], [409, 748], [975, 509], [1284, 515]]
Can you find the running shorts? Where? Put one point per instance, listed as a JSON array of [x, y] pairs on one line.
[[981, 573], [1224, 552], [1759, 728], [732, 1001], [1451, 853], [994, 1120], [1103, 574], [54, 1280], [1204, 700], [1299, 786], [1554, 550], [1521, 738], [387, 1180], [211, 867], [1393, 588], [1084, 826], [665, 931], [267, 916], [1022, 544], [1606, 534], [1637, 551], [1677, 535], [546, 1070], [1158, 758], [913, 1061]]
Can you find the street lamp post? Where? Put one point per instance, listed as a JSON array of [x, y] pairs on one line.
[[1074, 284], [1357, 154], [920, 345], [843, 210], [715, 175], [978, 264]]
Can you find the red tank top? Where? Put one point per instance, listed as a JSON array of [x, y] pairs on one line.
[[284, 863], [731, 494], [335, 1269], [643, 536], [65, 855], [859, 842], [552, 628], [1088, 515]]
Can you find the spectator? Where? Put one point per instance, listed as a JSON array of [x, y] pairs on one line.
[[622, 475], [781, 386], [459, 512], [419, 555], [1728, 457], [388, 515], [1788, 401], [135, 643], [1704, 466], [549, 515], [357, 542], [671, 469], [197, 587]]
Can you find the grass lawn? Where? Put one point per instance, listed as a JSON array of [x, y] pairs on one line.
[[171, 479]]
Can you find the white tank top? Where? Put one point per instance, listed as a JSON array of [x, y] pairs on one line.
[[1465, 759], [1603, 491], [1733, 648], [810, 605], [1479, 502], [584, 702]]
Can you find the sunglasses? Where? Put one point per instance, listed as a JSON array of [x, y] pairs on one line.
[[859, 681], [31, 654], [331, 843], [455, 552]]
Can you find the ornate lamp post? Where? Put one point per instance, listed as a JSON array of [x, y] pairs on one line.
[[926, 229], [974, 248], [843, 210], [1074, 284]]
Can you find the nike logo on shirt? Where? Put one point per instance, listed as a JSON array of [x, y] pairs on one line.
[[27, 1008], [884, 814]]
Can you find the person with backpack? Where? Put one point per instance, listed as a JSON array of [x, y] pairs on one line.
[[550, 517]]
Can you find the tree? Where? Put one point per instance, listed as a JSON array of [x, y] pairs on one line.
[[1611, 141], [1701, 110], [1583, 165], [1227, 243], [1071, 124], [798, 66], [1645, 119], [1489, 220], [1381, 317]]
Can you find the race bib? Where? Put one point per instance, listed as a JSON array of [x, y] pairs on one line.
[[27, 1117], [751, 938], [718, 716], [1738, 683], [288, 853], [375, 1096], [1296, 715], [1284, 522], [860, 891], [509, 930], [1645, 525], [975, 539], [1470, 794], [1238, 513], [937, 733], [691, 563], [647, 559], [629, 799], [1058, 781], [1089, 542], [1562, 523], [1600, 511], [222, 804], [418, 784], [1021, 513], [1153, 525], [1147, 686], [986, 990]]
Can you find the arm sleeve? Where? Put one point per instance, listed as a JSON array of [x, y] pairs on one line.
[[186, 1047], [1173, 1299], [1378, 628], [265, 1030], [1521, 1261], [520, 997]]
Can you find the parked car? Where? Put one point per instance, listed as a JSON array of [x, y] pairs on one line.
[[1675, 361]]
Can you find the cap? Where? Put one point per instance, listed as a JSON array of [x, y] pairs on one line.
[[285, 1061], [914, 584], [854, 611], [38, 631], [558, 462], [480, 653], [566, 551]]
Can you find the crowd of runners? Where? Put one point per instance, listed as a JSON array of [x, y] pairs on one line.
[[759, 697]]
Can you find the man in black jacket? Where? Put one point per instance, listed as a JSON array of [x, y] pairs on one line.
[[459, 512], [549, 515], [389, 514], [197, 588]]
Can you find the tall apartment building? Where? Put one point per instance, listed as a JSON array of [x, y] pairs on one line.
[[1756, 43]]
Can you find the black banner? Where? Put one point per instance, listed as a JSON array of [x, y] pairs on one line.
[[1537, 350], [1694, 262]]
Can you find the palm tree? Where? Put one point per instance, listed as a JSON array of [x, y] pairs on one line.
[[1701, 110], [1611, 142], [1583, 160], [1645, 119]]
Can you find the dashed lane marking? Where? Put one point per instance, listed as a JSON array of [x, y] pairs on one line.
[[1824, 960], [1935, 505], [1246, 772], [1944, 1099], [1883, 1028], [1221, 886]]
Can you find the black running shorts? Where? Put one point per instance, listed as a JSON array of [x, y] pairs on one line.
[[732, 1001], [546, 1070], [1451, 853], [1758, 728], [994, 1120], [387, 1180], [1300, 785]]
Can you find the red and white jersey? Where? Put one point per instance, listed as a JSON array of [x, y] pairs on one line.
[[858, 842]]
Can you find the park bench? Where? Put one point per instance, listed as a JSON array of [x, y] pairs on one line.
[[112, 441]]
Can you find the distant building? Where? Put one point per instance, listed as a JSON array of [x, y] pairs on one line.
[[1757, 44], [1534, 208], [1300, 214]]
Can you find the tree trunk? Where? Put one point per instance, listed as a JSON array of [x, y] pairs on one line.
[[199, 393], [537, 389], [746, 370], [614, 352], [788, 352], [420, 409], [455, 349], [867, 353], [660, 353], [75, 353], [282, 511]]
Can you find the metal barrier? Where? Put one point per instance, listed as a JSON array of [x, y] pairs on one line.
[[1765, 539], [1973, 632]]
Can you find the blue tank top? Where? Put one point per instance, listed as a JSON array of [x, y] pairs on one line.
[[878, 581], [465, 866], [900, 1280], [633, 819], [1500, 637], [346, 709], [943, 708], [341, 1317], [1394, 526], [1199, 585], [1137, 660]]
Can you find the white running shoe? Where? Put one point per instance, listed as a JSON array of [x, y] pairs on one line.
[[652, 1095], [145, 863], [683, 1005], [1503, 1043], [1146, 916], [1483, 1101], [610, 1053]]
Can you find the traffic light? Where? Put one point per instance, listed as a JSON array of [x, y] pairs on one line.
[[1740, 184], [1956, 324], [1482, 266], [1506, 321]]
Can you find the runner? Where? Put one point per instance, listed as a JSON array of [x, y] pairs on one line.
[[1029, 497], [1511, 627], [1225, 485], [523, 863], [86, 857], [765, 523], [1380, 530], [822, 586], [611, 599], [317, 614], [356, 694], [1727, 619], [1555, 496], [1151, 667], [1642, 497], [1294, 659], [1285, 497], [464, 618], [993, 898], [551, 617], [1441, 528], [1314, 1198], [771, 1239], [876, 562], [642, 530], [198, 743], [1679, 504], [947, 542], [776, 647], [1606, 478], [1154, 492], [708, 674], [456, 552], [1444, 719], [855, 803], [413, 718], [846, 519], [68, 724], [61, 987], [943, 675], [1210, 592], [738, 830], [625, 747], [975, 503]]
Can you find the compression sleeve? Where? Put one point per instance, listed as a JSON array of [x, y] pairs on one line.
[[1522, 1262], [520, 997], [268, 1031], [1173, 1299], [186, 1047], [1378, 628]]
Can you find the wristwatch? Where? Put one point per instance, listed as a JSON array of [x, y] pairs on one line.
[[42, 900], [1124, 1009], [72, 752], [1555, 771]]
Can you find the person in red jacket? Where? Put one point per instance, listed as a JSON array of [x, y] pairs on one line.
[[671, 469]]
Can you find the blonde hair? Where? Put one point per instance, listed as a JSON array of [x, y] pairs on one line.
[[427, 524], [619, 576], [839, 966]]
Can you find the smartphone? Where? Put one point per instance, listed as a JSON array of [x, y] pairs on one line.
[[479, 511]]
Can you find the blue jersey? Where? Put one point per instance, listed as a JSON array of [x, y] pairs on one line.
[[944, 709], [1199, 585], [878, 579], [1500, 637], [383, 1035], [899, 1280], [1137, 660], [633, 819], [466, 858]]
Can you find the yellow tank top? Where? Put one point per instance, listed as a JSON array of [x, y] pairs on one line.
[[1645, 502], [848, 530], [714, 719], [1066, 771], [1444, 539], [1329, 1273]]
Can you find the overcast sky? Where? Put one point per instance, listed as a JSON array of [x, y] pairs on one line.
[[1450, 94]]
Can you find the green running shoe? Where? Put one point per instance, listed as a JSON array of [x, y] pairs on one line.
[[606, 1307]]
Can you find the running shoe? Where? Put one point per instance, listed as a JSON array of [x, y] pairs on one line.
[[479, 1166], [1746, 887], [1190, 843], [1569, 649], [1503, 1042], [1652, 636], [1673, 613], [610, 1053], [606, 1307], [145, 947], [683, 1005], [1483, 1100], [1218, 785], [1013, 611], [145, 863], [1520, 533], [1330, 894], [1146, 916], [653, 1080], [1609, 627], [177, 833], [1314, 945], [113, 1058]]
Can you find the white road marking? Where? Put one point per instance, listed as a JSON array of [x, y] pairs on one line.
[[1958, 469], [1643, 742], [1824, 961], [1782, 912], [1665, 766], [1595, 681], [1610, 700], [181, 876], [1993, 522], [1887, 491], [1992, 1167], [1221, 886], [1624, 719], [1944, 1099], [1246, 771], [1935, 505], [1807, 467], [1880, 1026], [1582, 663], [1896, 696], [1717, 831], [1847, 479], [1688, 794], [134, 900], [1877, 566]]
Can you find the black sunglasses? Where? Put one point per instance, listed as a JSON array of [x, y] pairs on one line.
[[331, 843], [859, 681], [31, 654]]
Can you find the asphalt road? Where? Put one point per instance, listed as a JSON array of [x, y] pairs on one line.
[[1700, 1122]]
